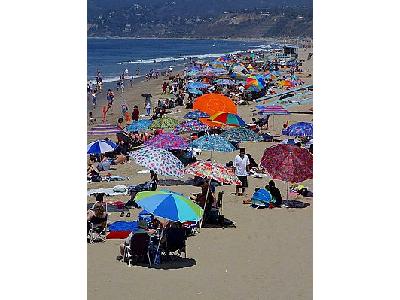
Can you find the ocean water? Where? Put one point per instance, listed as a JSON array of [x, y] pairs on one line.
[[112, 56]]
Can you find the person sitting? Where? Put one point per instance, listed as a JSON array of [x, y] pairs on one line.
[[143, 229], [207, 192], [275, 193], [97, 218], [174, 238], [104, 164]]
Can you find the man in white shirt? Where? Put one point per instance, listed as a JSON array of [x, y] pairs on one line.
[[241, 166]]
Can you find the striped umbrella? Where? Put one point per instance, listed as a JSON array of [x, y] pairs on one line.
[[169, 205], [101, 146], [229, 119]]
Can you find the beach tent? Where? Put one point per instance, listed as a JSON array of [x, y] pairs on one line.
[[213, 103]]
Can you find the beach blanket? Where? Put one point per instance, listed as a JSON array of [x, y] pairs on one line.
[[123, 226], [116, 190]]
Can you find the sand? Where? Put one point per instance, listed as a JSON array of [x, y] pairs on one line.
[[267, 256]]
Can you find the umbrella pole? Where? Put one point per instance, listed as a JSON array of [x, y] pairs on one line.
[[287, 190]]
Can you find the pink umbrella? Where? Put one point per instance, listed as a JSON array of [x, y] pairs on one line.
[[167, 141]]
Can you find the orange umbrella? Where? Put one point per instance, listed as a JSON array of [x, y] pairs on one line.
[[213, 103]]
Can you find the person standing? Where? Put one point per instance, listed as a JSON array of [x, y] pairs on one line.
[[135, 113], [148, 108], [94, 99], [241, 166]]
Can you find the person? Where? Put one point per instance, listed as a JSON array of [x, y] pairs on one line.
[[274, 191], [97, 217], [241, 166], [148, 108], [164, 88], [143, 229], [110, 97], [135, 113], [252, 162], [153, 180], [94, 99]]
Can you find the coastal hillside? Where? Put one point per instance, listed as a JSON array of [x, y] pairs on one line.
[[200, 19]]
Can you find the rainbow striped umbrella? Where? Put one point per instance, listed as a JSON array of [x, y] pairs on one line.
[[228, 119], [169, 205]]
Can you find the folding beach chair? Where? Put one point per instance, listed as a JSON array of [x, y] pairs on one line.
[[175, 241], [97, 232], [138, 249]]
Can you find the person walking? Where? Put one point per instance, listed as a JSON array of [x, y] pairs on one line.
[[135, 113], [241, 166]]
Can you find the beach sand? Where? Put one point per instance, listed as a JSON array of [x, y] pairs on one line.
[[267, 256]]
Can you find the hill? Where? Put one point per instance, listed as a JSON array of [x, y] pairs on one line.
[[200, 19]]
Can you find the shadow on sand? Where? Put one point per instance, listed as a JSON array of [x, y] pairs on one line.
[[173, 263]]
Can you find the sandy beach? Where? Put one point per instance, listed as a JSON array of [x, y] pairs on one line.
[[267, 256]]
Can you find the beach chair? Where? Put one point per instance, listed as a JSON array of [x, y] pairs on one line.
[[175, 241], [97, 232], [138, 249]]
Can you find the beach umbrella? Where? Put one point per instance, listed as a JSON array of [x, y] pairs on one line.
[[169, 205], [213, 170], [288, 163], [190, 126], [213, 143], [164, 123], [195, 115], [101, 146], [299, 129], [224, 82], [253, 81], [228, 119], [198, 85], [167, 141], [241, 134], [195, 91], [140, 125], [213, 103], [159, 160], [210, 123]]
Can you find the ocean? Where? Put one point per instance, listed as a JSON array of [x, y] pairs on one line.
[[112, 56]]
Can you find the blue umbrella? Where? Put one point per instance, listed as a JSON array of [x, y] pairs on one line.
[[196, 114], [169, 205], [299, 129], [101, 146], [224, 82], [213, 143], [140, 125], [198, 85], [195, 91]]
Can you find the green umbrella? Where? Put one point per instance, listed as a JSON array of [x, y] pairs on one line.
[[164, 123]]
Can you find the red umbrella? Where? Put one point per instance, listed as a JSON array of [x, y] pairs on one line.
[[288, 163]]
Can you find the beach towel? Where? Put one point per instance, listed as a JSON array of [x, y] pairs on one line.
[[109, 191], [123, 226], [118, 235], [294, 204]]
